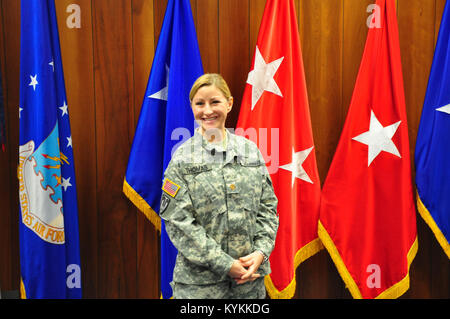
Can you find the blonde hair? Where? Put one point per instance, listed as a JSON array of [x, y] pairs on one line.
[[209, 79]]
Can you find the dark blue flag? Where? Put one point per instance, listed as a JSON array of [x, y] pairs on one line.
[[166, 120], [48, 230], [432, 154]]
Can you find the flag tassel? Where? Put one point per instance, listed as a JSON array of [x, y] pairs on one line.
[[142, 205], [393, 292], [23, 293], [426, 216], [304, 253], [340, 265]]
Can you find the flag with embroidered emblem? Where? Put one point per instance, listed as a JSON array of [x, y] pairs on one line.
[[166, 117], [367, 216], [275, 110], [48, 228], [432, 153]]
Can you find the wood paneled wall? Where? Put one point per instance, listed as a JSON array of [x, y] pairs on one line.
[[107, 63]]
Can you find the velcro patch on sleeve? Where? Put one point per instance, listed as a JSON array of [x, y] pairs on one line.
[[170, 187]]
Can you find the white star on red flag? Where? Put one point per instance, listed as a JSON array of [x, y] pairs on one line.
[[379, 138], [261, 77], [296, 165]]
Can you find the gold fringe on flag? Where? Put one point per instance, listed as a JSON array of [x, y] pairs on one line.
[[23, 294], [304, 253], [426, 216], [392, 292], [142, 205]]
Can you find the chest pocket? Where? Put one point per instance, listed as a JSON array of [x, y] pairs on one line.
[[206, 188], [250, 180]]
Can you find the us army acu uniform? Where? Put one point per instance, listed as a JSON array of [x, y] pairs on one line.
[[218, 205]]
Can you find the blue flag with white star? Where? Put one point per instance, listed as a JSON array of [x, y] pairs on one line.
[[48, 228], [166, 120], [432, 154]]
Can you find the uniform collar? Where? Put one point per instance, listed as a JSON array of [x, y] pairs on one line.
[[230, 151]]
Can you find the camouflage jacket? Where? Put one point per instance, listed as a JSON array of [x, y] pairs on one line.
[[218, 205]]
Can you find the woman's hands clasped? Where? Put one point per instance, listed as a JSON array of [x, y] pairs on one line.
[[244, 269]]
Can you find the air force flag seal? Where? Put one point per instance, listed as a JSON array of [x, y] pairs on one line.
[[40, 188]]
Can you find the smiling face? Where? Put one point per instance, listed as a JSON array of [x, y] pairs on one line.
[[210, 108]]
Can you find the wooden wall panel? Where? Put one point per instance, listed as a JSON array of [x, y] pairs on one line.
[[321, 30], [112, 30], [234, 51], [78, 63], [417, 46], [440, 279], [159, 8], [5, 189], [321, 25], [107, 63], [440, 4], [256, 13], [207, 26], [354, 39], [147, 236], [10, 58]]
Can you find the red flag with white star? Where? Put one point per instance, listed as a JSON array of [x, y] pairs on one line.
[[367, 213], [275, 114]]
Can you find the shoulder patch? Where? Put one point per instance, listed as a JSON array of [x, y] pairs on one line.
[[165, 200], [170, 187]]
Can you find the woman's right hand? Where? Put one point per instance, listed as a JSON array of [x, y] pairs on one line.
[[238, 270]]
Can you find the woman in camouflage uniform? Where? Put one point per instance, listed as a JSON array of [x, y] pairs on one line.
[[218, 204]]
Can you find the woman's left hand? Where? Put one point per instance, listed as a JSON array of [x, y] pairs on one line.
[[252, 262]]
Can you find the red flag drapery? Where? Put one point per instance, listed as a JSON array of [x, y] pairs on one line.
[[367, 213], [275, 112]]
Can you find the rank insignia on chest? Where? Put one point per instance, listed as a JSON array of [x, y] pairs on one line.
[[170, 187]]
